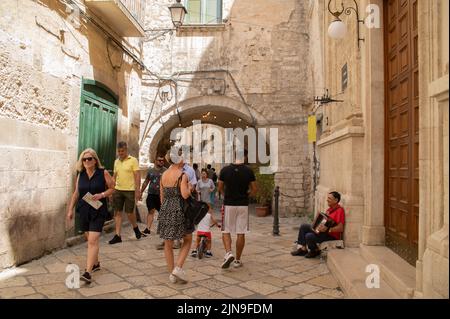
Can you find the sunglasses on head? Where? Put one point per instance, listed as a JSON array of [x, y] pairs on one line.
[[160, 160], [87, 159]]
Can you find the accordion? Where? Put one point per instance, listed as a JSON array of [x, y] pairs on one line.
[[323, 219]]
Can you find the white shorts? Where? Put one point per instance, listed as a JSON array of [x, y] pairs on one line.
[[235, 220]]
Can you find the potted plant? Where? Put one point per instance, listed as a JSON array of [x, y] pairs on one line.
[[265, 184]]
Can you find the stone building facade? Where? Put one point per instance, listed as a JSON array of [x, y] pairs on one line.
[[259, 65], [393, 120], [49, 53], [249, 70]]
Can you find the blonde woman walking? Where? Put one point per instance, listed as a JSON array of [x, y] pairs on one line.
[[92, 178]]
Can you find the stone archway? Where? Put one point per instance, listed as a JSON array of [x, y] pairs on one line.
[[292, 174], [225, 107]]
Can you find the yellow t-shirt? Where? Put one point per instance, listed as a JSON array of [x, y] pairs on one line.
[[124, 171]]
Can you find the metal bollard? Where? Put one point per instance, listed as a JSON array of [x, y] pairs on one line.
[[276, 225]]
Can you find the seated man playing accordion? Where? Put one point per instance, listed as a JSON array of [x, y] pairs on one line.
[[326, 227]]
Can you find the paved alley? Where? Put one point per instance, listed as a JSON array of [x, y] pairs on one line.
[[136, 269]]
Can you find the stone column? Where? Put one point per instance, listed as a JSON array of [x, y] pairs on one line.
[[435, 257], [432, 266], [373, 230], [344, 173]]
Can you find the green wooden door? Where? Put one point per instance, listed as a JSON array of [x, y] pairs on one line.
[[98, 129], [98, 124]]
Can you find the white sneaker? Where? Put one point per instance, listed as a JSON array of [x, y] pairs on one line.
[[172, 279], [237, 264], [180, 275], [227, 260]]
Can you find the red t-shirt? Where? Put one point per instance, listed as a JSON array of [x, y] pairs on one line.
[[338, 215]]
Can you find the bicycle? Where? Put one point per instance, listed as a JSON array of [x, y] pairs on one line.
[[203, 244]]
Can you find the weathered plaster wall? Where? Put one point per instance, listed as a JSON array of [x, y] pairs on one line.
[[341, 144], [355, 130], [263, 48], [432, 266], [43, 57]]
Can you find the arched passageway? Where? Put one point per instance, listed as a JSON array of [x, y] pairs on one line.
[[220, 111]]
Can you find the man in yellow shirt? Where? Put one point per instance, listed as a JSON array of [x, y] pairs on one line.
[[127, 190]]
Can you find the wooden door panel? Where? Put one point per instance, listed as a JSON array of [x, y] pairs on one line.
[[393, 67], [98, 129], [402, 109]]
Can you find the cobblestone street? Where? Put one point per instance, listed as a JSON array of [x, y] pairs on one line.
[[135, 269]]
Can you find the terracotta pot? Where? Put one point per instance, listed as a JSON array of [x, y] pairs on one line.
[[262, 211]]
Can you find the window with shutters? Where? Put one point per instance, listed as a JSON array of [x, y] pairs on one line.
[[203, 11]]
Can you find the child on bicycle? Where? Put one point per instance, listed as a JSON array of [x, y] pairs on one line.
[[204, 229], [205, 186]]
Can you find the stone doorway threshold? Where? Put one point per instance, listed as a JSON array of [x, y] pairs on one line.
[[397, 277]]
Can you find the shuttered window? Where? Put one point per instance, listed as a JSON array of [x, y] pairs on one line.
[[203, 11]]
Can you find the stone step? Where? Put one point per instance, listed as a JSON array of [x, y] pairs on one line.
[[398, 274], [349, 268]]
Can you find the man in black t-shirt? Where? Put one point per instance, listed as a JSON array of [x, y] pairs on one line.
[[236, 182]]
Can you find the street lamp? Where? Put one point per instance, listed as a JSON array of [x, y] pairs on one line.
[[177, 11], [337, 28]]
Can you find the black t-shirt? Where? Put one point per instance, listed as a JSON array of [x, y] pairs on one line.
[[237, 179]]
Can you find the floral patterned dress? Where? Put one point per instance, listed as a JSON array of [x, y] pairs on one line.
[[171, 225]]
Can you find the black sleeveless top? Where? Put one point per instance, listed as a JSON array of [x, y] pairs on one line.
[[95, 185]]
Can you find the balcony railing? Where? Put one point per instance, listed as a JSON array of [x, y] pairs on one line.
[[126, 17], [136, 8]]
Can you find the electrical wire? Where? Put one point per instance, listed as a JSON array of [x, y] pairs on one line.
[[145, 68], [110, 36], [109, 57], [148, 119]]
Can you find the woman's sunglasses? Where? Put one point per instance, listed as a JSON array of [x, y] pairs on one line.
[[87, 159]]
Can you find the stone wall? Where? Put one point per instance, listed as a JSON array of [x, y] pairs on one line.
[[44, 54], [260, 55], [341, 141], [351, 148], [432, 267]]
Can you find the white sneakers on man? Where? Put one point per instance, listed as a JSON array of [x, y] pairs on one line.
[[227, 260], [179, 275], [237, 264]]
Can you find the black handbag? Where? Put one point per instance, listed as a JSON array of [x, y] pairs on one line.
[[193, 210]]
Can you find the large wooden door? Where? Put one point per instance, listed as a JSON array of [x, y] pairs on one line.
[[402, 128]]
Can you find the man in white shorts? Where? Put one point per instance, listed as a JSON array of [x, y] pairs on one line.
[[236, 182]]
